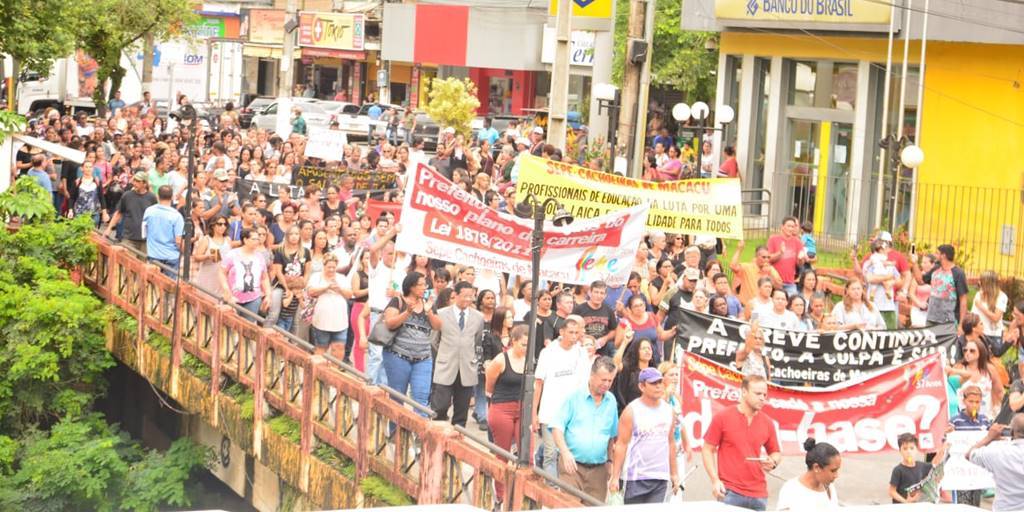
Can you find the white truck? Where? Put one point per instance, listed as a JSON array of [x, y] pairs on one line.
[[207, 71]]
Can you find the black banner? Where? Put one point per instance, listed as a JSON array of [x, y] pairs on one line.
[[814, 358], [247, 190], [364, 180]]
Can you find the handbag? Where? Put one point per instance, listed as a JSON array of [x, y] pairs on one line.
[[308, 307], [380, 335]]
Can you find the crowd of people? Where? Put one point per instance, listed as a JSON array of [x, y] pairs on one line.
[[455, 338]]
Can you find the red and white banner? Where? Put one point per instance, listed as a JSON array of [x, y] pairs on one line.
[[442, 221], [865, 416], [376, 207]]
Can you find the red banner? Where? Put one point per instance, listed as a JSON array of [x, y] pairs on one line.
[[375, 207], [866, 416]]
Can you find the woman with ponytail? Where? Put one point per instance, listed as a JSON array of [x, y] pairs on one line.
[[813, 490]]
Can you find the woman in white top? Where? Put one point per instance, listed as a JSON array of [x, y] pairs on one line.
[[778, 317], [855, 312], [813, 490], [762, 301], [990, 305], [330, 315]]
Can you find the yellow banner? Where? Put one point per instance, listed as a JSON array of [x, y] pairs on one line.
[[584, 8], [817, 11], [331, 30], [697, 207]]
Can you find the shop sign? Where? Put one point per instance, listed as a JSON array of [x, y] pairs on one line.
[[584, 8], [581, 47], [331, 30], [207, 28], [861, 12], [264, 26]]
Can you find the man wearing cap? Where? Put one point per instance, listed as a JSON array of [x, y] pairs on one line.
[[222, 202], [897, 258], [647, 433], [163, 227], [537, 141], [585, 431], [733, 447], [670, 310], [132, 208]]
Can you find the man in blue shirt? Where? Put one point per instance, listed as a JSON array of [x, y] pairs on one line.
[[374, 113], [115, 104], [163, 227], [488, 132], [585, 429], [38, 171]]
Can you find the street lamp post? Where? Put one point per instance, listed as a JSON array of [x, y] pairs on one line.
[[699, 112], [187, 115], [609, 99], [530, 207], [902, 153]]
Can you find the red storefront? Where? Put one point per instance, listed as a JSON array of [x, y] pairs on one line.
[[503, 91]]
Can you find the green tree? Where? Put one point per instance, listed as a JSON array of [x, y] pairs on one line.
[[35, 32], [681, 60], [110, 27], [453, 102]]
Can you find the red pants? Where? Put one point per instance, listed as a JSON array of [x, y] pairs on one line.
[[503, 422], [358, 354]]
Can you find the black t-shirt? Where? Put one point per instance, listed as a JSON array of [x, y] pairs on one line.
[[552, 327], [675, 306], [132, 207], [904, 477], [292, 265], [598, 323], [23, 157]]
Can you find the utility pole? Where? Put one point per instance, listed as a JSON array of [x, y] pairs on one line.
[[147, 62], [559, 107], [640, 141], [286, 76], [631, 78]]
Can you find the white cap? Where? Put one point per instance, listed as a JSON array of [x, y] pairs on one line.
[[538, 130]]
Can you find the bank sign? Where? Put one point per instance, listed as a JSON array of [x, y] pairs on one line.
[[331, 30], [861, 12]]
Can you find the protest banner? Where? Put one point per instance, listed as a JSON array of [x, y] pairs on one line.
[[861, 417], [816, 358], [327, 145], [442, 221], [375, 207], [697, 207], [247, 190], [363, 181], [962, 474]]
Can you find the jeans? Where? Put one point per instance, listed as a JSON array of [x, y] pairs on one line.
[[738, 500], [480, 406], [409, 377], [274, 311], [253, 306], [790, 289], [550, 450], [374, 358], [325, 338], [172, 267], [286, 324]]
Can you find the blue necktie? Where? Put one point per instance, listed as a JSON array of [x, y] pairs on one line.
[[462, 319]]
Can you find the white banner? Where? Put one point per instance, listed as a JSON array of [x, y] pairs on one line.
[[961, 474], [327, 145], [442, 221]]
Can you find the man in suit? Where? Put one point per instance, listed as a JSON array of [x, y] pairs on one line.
[[455, 367]]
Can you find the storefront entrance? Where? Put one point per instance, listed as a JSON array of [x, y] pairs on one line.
[[815, 179]]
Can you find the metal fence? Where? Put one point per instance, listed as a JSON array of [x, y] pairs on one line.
[[983, 223]]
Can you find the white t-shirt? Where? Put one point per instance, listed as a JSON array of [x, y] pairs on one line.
[[767, 317], [563, 371], [487, 280], [796, 496], [878, 266], [331, 311], [380, 280], [991, 328], [859, 315]]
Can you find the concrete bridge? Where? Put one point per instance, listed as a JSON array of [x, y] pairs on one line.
[[286, 422]]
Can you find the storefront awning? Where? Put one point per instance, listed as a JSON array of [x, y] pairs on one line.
[[266, 52], [334, 54]]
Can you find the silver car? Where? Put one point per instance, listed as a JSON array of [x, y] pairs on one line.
[[314, 114]]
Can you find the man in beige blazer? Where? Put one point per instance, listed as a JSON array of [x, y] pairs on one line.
[[455, 366]]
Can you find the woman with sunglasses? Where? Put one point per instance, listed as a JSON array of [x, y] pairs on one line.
[[208, 252]]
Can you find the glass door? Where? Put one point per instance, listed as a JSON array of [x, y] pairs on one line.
[[836, 195], [800, 175]]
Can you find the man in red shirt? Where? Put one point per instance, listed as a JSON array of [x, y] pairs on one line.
[[787, 252], [737, 436]]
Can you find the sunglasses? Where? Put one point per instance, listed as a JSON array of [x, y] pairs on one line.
[[220, 223]]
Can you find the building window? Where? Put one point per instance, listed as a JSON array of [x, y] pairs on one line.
[[733, 77], [803, 76], [844, 85]]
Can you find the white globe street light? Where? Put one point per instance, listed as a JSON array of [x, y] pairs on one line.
[[700, 110], [912, 156], [725, 114], [681, 112]]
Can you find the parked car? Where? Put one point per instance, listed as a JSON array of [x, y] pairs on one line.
[[357, 126], [257, 105], [315, 115], [428, 130]]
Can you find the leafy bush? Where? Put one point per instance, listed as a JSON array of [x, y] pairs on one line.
[[381, 489], [284, 426], [453, 102]]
